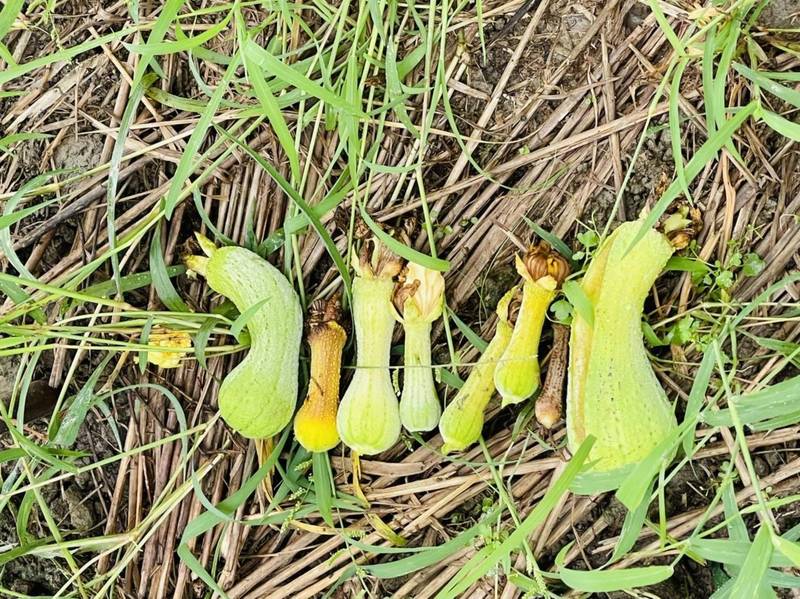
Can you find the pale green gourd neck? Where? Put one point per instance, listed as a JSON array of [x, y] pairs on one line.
[[374, 322], [417, 344]]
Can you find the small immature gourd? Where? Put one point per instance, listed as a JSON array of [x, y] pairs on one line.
[[258, 397], [613, 393], [315, 421], [462, 420], [517, 376], [369, 418], [420, 300]]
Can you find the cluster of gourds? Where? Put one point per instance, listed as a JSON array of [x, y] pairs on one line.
[[612, 391]]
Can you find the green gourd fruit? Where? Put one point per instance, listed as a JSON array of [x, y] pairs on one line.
[[258, 397], [613, 393]]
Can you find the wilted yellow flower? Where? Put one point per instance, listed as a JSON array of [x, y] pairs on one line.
[[168, 339], [422, 289]]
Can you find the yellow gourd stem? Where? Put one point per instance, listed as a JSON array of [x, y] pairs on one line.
[[315, 421]]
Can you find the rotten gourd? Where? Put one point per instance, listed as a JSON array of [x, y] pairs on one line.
[[257, 398]]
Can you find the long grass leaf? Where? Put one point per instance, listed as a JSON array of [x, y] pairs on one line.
[[272, 111], [607, 581], [403, 250], [754, 568], [161, 279], [490, 556], [786, 94]]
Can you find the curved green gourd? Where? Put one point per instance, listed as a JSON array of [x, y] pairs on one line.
[[258, 397], [613, 393]]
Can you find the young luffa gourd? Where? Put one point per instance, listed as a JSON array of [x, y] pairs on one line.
[[462, 420], [369, 418], [517, 376], [257, 398], [419, 300]]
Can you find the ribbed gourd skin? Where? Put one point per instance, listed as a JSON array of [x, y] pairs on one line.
[[462, 420], [419, 404], [369, 417], [258, 397], [613, 393]]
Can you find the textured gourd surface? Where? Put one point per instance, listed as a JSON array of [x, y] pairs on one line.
[[315, 421], [419, 404], [369, 417], [462, 420], [258, 397], [613, 393], [517, 375]]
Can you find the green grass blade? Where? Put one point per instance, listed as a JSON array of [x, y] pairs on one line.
[[11, 9], [675, 126], [473, 337], [787, 548], [70, 425], [786, 94], [754, 568], [271, 109], [323, 485], [666, 28], [161, 279], [556, 242], [307, 210], [289, 75], [631, 527], [403, 250], [579, 300], [780, 124], [489, 557], [607, 581], [430, 556]]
